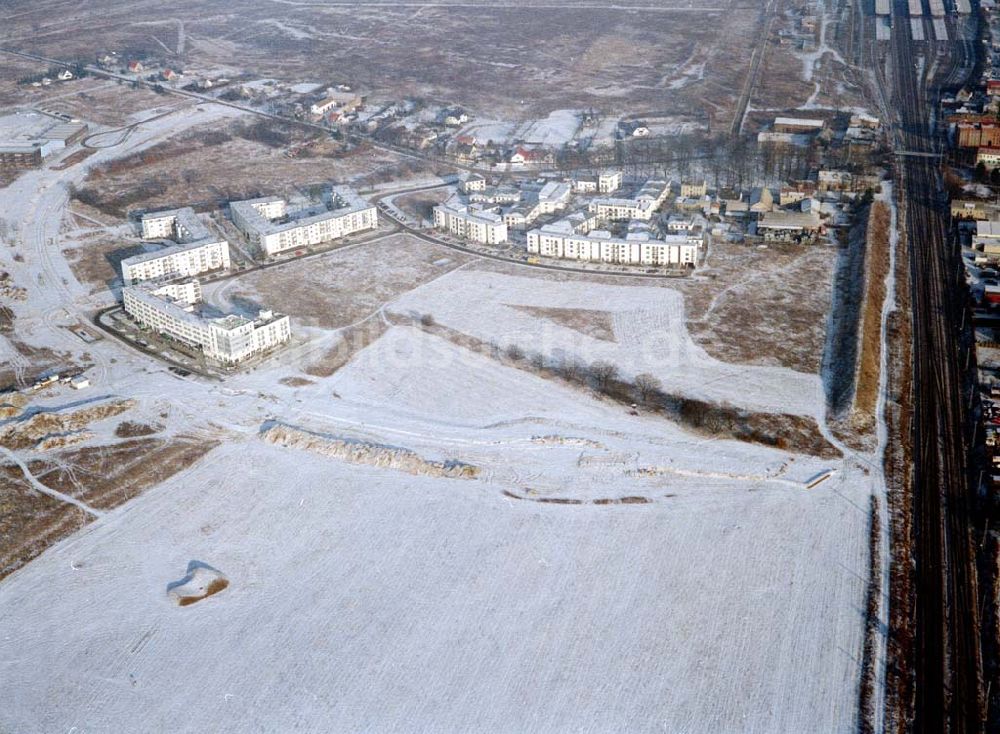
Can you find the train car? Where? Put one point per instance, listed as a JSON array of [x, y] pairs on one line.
[[937, 8], [883, 7], [962, 7], [917, 29], [916, 8]]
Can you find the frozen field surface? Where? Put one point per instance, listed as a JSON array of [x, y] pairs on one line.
[[649, 328], [361, 599]]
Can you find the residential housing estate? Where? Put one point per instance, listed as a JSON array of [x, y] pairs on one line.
[[168, 308], [268, 223], [584, 236], [194, 251]]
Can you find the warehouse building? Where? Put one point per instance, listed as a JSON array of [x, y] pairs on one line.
[[785, 226], [268, 223], [169, 310]]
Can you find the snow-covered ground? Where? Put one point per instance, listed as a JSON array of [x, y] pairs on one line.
[[727, 598], [650, 330], [557, 129], [360, 600]]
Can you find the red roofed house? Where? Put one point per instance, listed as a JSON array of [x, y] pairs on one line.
[[993, 87], [135, 67], [526, 155]]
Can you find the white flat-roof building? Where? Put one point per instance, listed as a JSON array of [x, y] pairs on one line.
[[179, 225], [195, 250], [599, 246], [168, 309], [183, 260], [553, 196], [605, 183], [641, 206], [267, 223], [478, 225]]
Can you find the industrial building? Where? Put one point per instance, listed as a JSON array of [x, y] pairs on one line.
[[785, 226], [28, 138], [268, 223], [169, 310]]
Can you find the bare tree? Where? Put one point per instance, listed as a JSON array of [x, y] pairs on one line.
[[537, 360], [647, 385], [573, 370], [515, 353], [603, 373], [427, 320]]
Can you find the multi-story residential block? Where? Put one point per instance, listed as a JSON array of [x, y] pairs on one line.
[[169, 310], [553, 196], [605, 183], [476, 224], [182, 260], [195, 250], [989, 157], [268, 223], [179, 225], [694, 190], [637, 248]]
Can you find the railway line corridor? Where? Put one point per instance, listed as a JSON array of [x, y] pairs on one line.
[[947, 660]]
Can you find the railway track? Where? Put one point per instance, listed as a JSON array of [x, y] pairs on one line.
[[947, 657]]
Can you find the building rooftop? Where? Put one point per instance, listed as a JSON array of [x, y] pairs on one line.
[[344, 201], [186, 219], [167, 251], [989, 228]]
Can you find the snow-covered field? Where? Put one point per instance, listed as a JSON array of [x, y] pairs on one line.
[[363, 601], [725, 596], [557, 129], [651, 335]]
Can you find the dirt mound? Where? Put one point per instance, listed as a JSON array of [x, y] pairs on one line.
[[38, 427], [367, 453], [201, 582]]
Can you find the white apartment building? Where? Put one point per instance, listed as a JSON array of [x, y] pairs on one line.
[[231, 339], [600, 246], [179, 225], [470, 182], [182, 260], [642, 206], [553, 196], [605, 183], [267, 223], [478, 225], [609, 182], [195, 250]]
